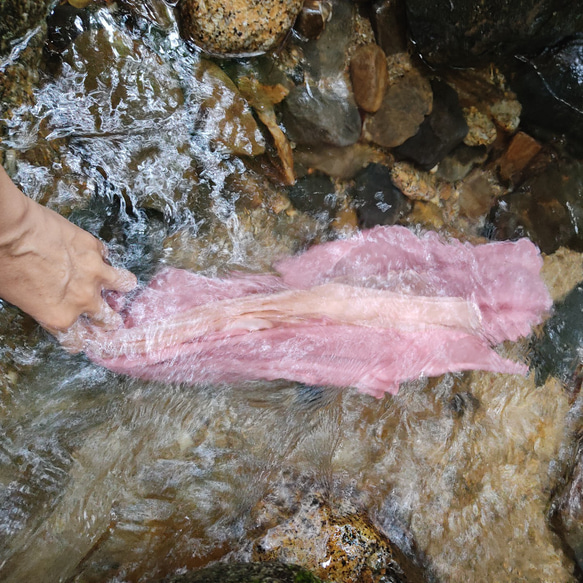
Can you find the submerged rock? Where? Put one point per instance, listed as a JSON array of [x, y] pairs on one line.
[[337, 545], [377, 199], [237, 27], [404, 107], [368, 72], [225, 116], [441, 131], [389, 21], [468, 32], [547, 208], [314, 194], [314, 116], [550, 89], [313, 17], [17, 17], [268, 572]]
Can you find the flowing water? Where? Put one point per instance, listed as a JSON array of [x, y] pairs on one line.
[[107, 479]]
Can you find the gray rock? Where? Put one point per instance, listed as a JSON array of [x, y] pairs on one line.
[[389, 22], [312, 116], [17, 17], [403, 110], [377, 199], [441, 131]]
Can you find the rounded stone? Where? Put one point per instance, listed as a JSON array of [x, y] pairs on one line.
[[368, 73], [237, 27]]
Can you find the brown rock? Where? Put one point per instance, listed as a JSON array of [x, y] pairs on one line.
[[313, 17], [227, 118], [368, 73], [237, 27], [336, 545], [520, 152], [404, 107]]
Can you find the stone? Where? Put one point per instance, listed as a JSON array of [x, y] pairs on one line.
[[389, 21], [441, 131], [550, 90], [314, 194], [64, 24], [267, 572], [477, 194], [481, 129], [314, 116], [336, 545], [312, 19], [368, 73], [337, 162], [403, 110], [378, 201], [17, 17], [225, 117], [546, 208], [326, 57], [520, 152], [262, 98], [459, 163], [237, 27], [471, 32]]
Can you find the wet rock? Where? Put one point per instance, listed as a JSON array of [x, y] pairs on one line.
[[377, 199], [460, 162], [314, 194], [225, 116], [65, 23], [506, 113], [336, 162], [312, 19], [558, 352], [520, 152], [550, 90], [481, 129], [262, 98], [546, 208], [403, 110], [338, 545], [469, 32], [389, 22], [326, 56], [314, 116], [368, 73], [158, 12], [268, 572], [477, 194], [237, 27], [441, 131], [18, 17], [568, 511]]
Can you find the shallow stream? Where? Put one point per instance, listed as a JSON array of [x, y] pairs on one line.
[[108, 479]]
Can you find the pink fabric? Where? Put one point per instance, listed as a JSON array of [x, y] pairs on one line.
[[371, 312]]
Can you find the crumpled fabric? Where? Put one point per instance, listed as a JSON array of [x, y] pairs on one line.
[[370, 312]]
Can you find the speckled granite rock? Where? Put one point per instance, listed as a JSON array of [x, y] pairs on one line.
[[337, 545], [237, 27]]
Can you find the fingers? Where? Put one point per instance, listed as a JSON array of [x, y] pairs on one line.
[[73, 339], [105, 317], [119, 280]]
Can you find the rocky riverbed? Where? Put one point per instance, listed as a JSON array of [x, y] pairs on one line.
[[225, 135]]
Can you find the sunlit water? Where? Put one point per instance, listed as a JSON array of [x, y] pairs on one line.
[[105, 479]]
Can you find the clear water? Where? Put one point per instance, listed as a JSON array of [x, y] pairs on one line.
[[105, 479]]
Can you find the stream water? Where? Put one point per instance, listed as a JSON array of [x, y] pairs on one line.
[[108, 479]]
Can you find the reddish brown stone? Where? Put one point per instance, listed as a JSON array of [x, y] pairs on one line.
[[520, 152], [368, 72]]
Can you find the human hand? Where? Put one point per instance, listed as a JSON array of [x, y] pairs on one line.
[[52, 269]]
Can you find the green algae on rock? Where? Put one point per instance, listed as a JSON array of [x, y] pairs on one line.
[[237, 27]]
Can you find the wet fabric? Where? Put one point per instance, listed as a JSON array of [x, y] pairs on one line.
[[370, 312]]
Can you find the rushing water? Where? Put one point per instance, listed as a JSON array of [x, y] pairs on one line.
[[108, 479]]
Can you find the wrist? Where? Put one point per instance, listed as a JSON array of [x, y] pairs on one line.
[[15, 211]]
